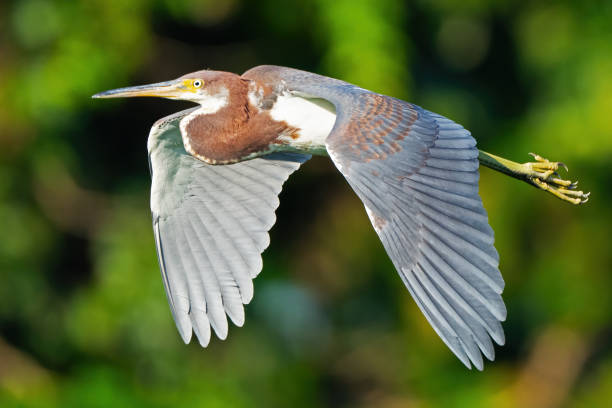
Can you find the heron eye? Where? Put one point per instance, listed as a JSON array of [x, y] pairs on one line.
[[197, 83]]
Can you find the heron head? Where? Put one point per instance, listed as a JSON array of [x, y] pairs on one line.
[[208, 88]]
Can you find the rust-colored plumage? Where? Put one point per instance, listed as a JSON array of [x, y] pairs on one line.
[[378, 126], [238, 129]]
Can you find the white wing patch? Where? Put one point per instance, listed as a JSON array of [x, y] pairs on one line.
[[314, 118]]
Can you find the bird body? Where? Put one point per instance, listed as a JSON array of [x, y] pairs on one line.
[[217, 170]]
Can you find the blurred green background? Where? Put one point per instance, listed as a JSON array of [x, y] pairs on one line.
[[83, 316]]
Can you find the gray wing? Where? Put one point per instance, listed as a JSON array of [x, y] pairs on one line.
[[211, 225], [417, 175]]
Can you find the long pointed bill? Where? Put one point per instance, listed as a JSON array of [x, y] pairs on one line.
[[169, 89]]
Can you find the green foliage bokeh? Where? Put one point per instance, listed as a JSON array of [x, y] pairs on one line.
[[83, 317]]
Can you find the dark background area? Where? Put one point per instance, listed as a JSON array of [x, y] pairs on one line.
[[84, 321]]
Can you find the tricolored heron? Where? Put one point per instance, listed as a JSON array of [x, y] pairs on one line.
[[217, 170]]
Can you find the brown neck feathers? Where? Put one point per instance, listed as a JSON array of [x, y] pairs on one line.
[[236, 131]]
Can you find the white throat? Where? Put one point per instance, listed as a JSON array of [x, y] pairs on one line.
[[313, 117], [211, 103]]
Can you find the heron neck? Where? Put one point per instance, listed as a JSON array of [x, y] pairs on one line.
[[236, 131]]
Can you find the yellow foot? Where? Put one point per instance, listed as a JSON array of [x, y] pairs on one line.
[[543, 174]]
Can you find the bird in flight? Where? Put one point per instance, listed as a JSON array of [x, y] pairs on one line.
[[217, 170]]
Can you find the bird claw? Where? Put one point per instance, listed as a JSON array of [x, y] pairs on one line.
[[544, 165], [543, 174]]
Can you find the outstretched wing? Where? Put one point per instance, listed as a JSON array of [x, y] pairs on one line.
[[417, 175], [211, 225]]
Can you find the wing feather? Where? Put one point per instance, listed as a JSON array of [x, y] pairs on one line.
[[176, 289], [211, 224]]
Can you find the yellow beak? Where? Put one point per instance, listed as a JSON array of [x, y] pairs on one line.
[[169, 89]]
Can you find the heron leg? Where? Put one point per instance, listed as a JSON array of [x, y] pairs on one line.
[[541, 173]]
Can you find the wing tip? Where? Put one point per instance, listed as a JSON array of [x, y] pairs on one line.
[[204, 340], [236, 315], [186, 335], [499, 337], [247, 292], [220, 327]]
